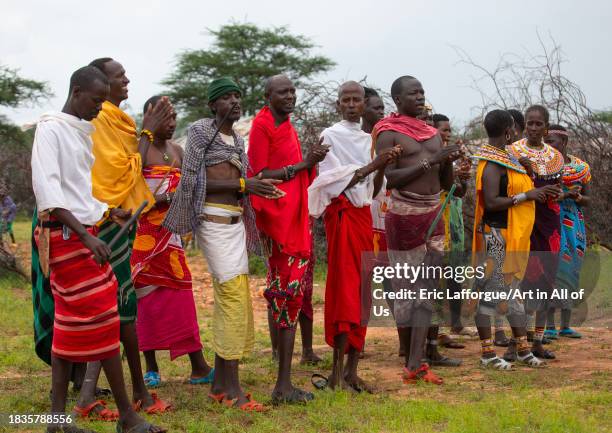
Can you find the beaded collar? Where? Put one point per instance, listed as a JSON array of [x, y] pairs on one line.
[[499, 156], [547, 162], [576, 171]]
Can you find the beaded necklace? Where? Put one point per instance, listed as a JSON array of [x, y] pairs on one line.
[[499, 156], [576, 171], [547, 162]]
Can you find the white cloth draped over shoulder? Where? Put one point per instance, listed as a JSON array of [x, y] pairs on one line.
[[61, 166], [350, 150]]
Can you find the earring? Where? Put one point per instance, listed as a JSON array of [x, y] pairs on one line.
[[546, 131]]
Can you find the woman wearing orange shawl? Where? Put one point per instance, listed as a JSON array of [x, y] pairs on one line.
[[166, 309], [503, 219]]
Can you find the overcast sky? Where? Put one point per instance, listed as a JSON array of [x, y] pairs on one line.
[[381, 39]]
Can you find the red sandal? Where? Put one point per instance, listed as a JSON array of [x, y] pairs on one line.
[[88, 412], [158, 406], [217, 397], [250, 406], [422, 373]]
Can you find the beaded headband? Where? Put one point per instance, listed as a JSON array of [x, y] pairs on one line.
[[558, 132]]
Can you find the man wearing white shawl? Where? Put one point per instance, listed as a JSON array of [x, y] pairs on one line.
[[342, 194]]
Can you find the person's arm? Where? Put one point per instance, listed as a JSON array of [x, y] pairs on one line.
[[447, 175], [493, 202], [46, 183], [100, 250], [396, 177], [259, 145], [377, 165], [12, 209], [583, 198]]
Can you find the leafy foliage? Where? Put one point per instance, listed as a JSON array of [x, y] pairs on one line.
[[249, 55]]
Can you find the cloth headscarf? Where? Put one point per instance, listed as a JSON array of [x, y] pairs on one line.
[[220, 87]]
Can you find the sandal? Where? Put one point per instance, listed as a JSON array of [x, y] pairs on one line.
[[319, 381], [104, 414], [495, 362], [530, 360], [551, 334], [544, 354], [203, 380], [217, 397], [250, 406], [145, 427], [422, 373], [158, 406], [569, 333], [449, 343], [152, 379], [296, 396], [444, 361]]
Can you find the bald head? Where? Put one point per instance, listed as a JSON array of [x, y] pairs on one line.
[[350, 86], [275, 81], [351, 101], [279, 92]]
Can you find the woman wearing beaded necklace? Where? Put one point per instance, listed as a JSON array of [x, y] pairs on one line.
[[546, 165], [576, 176], [504, 216]]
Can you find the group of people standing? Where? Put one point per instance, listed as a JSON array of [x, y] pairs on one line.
[[380, 184]]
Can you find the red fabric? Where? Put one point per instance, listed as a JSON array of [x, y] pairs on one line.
[[157, 257], [406, 232], [286, 220], [167, 320], [308, 282], [284, 293], [410, 126], [86, 322], [349, 234]]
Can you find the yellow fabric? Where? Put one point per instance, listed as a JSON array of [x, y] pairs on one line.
[[224, 206], [520, 222], [446, 219], [233, 329], [117, 170]]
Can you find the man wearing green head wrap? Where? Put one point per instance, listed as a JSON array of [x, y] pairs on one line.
[[212, 201]]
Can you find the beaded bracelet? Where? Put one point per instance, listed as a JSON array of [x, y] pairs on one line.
[[148, 133]]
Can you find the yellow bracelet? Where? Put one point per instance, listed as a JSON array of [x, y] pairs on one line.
[[148, 133], [242, 185]]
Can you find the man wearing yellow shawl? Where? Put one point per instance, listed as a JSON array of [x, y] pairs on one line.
[[503, 220], [118, 181]]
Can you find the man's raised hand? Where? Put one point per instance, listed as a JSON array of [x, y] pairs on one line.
[[317, 153], [158, 116], [448, 153], [386, 157]]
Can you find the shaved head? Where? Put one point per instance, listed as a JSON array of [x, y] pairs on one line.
[[350, 86], [274, 81]]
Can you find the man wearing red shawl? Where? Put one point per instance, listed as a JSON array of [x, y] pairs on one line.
[[166, 309], [275, 153], [416, 179], [343, 193]]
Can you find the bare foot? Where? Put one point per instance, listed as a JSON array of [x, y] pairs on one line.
[[359, 385], [310, 358], [132, 419]]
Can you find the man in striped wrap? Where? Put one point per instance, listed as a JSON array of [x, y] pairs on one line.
[[86, 321]]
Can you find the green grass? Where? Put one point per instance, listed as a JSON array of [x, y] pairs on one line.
[[548, 400]]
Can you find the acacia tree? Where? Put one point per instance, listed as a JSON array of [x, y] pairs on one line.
[[518, 81], [248, 54]]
